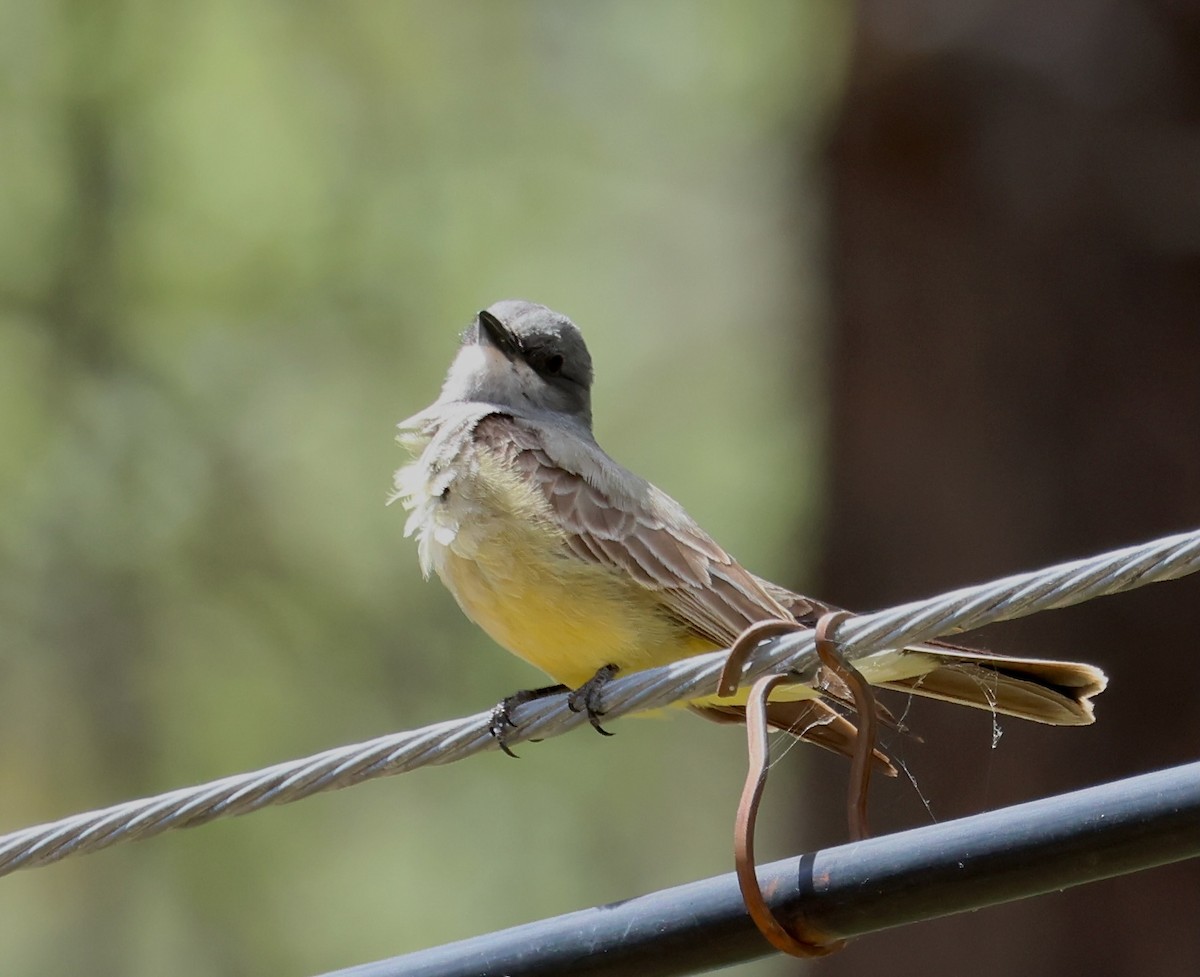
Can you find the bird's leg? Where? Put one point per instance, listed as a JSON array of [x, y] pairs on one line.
[[501, 719], [586, 698]]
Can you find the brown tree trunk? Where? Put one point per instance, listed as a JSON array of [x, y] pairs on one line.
[[1015, 368]]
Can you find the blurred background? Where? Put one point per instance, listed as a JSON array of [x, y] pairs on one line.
[[892, 296]]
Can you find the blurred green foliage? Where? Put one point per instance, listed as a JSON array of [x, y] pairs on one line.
[[236, 244]]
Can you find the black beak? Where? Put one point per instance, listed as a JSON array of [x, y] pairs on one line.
[[493, 332]]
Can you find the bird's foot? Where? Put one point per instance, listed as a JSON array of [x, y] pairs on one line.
[[501, 722], [586, 698]]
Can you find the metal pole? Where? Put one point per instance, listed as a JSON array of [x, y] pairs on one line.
[[852, 890]]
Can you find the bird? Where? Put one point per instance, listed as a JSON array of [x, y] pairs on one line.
[[584, 569]]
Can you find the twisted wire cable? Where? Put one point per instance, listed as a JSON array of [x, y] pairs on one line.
[[858, 637]]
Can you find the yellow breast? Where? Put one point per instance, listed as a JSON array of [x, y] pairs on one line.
[[493, 540]]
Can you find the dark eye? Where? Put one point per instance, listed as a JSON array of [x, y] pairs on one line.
[[554, 364]]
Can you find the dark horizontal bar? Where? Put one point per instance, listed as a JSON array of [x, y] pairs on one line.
[[860, 888]]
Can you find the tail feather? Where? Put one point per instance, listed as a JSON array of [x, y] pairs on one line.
[[1044, 691], [1058, 693], [1055, 692]]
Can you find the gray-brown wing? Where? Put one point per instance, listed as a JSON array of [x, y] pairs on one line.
[[804, 609], [643, 533]]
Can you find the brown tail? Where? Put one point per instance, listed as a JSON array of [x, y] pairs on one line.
[[1054, 692]]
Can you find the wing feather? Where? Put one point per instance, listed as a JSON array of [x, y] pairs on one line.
[[610, 516]]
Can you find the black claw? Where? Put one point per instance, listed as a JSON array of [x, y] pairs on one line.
[[501, 720], [500, 723], [586, 698]]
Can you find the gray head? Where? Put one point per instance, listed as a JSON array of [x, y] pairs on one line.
[[523, 355]]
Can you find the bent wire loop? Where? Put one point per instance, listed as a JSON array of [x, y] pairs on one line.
[[799, 938]]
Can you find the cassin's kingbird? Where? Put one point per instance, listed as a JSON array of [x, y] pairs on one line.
[[579, 566]]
